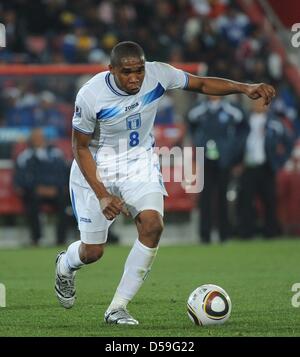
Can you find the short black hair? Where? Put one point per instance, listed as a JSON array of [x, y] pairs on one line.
[[125, 49]]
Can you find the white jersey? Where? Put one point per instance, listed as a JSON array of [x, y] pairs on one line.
[[121, 128], [120, 122]]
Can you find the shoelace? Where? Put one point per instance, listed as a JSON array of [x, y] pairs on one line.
[[67, 285], [121, 315]]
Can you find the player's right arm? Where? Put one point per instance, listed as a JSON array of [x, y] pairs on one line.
[[83, 123], [111, 205]]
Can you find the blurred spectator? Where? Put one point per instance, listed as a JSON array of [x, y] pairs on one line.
[[47, 114], [285, 106], [210, 8], [221, 128], [41, 177], [234, 26], [269, 145], [213, 31], [166, 111]]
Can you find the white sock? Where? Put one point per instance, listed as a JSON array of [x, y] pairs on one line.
[[137, 267], [71, 260]]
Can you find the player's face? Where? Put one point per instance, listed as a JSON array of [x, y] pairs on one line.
[[130, 74]]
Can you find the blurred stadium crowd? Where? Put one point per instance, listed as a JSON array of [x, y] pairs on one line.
[[213, 32], [216, 33]]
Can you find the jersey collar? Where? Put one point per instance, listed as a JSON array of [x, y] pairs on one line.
[[110, 81]]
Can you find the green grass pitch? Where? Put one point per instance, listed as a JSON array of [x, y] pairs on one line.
[[258, 276]]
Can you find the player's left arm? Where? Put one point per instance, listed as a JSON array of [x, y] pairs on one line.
[[221, 86]]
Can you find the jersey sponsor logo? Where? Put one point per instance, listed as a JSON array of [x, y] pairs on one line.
[[130, 107], [85, 220], [77, 111], [134, 121]]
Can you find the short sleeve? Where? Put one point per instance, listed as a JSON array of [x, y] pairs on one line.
[[84, 119], [171, 77]]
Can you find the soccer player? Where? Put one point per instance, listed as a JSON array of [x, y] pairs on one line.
[[114, 170]]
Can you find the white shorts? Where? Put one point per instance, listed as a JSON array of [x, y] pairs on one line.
[[138, 196]]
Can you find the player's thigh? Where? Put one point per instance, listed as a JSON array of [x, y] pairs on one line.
[[92, 223], [141, 196], [152, 203]]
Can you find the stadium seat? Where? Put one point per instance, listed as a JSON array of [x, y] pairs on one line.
[[178, 200], [283, 197], [288, 195], [10, 202], [169, 135]]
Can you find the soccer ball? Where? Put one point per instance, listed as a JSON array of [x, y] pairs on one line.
[[209, 305]]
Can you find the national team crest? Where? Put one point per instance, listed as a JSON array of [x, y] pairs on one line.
[[134, 121]]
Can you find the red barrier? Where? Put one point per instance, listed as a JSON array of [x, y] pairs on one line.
[[67, 69], [10, 202]]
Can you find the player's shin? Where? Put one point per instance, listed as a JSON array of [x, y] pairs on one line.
[[137, 267]]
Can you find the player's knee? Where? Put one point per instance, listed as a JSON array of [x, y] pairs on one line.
[[153, 228], [92, 257], [91, 253]]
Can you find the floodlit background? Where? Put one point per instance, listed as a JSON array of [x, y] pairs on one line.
[[52, 48], [242, 40]]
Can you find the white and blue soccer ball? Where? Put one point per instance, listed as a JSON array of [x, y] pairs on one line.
[[209, 304]]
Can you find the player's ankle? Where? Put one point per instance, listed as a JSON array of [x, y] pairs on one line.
[[118, 302], [64, 268]]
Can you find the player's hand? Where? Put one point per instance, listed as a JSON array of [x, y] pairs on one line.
[[261, 90], [112, 206]]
